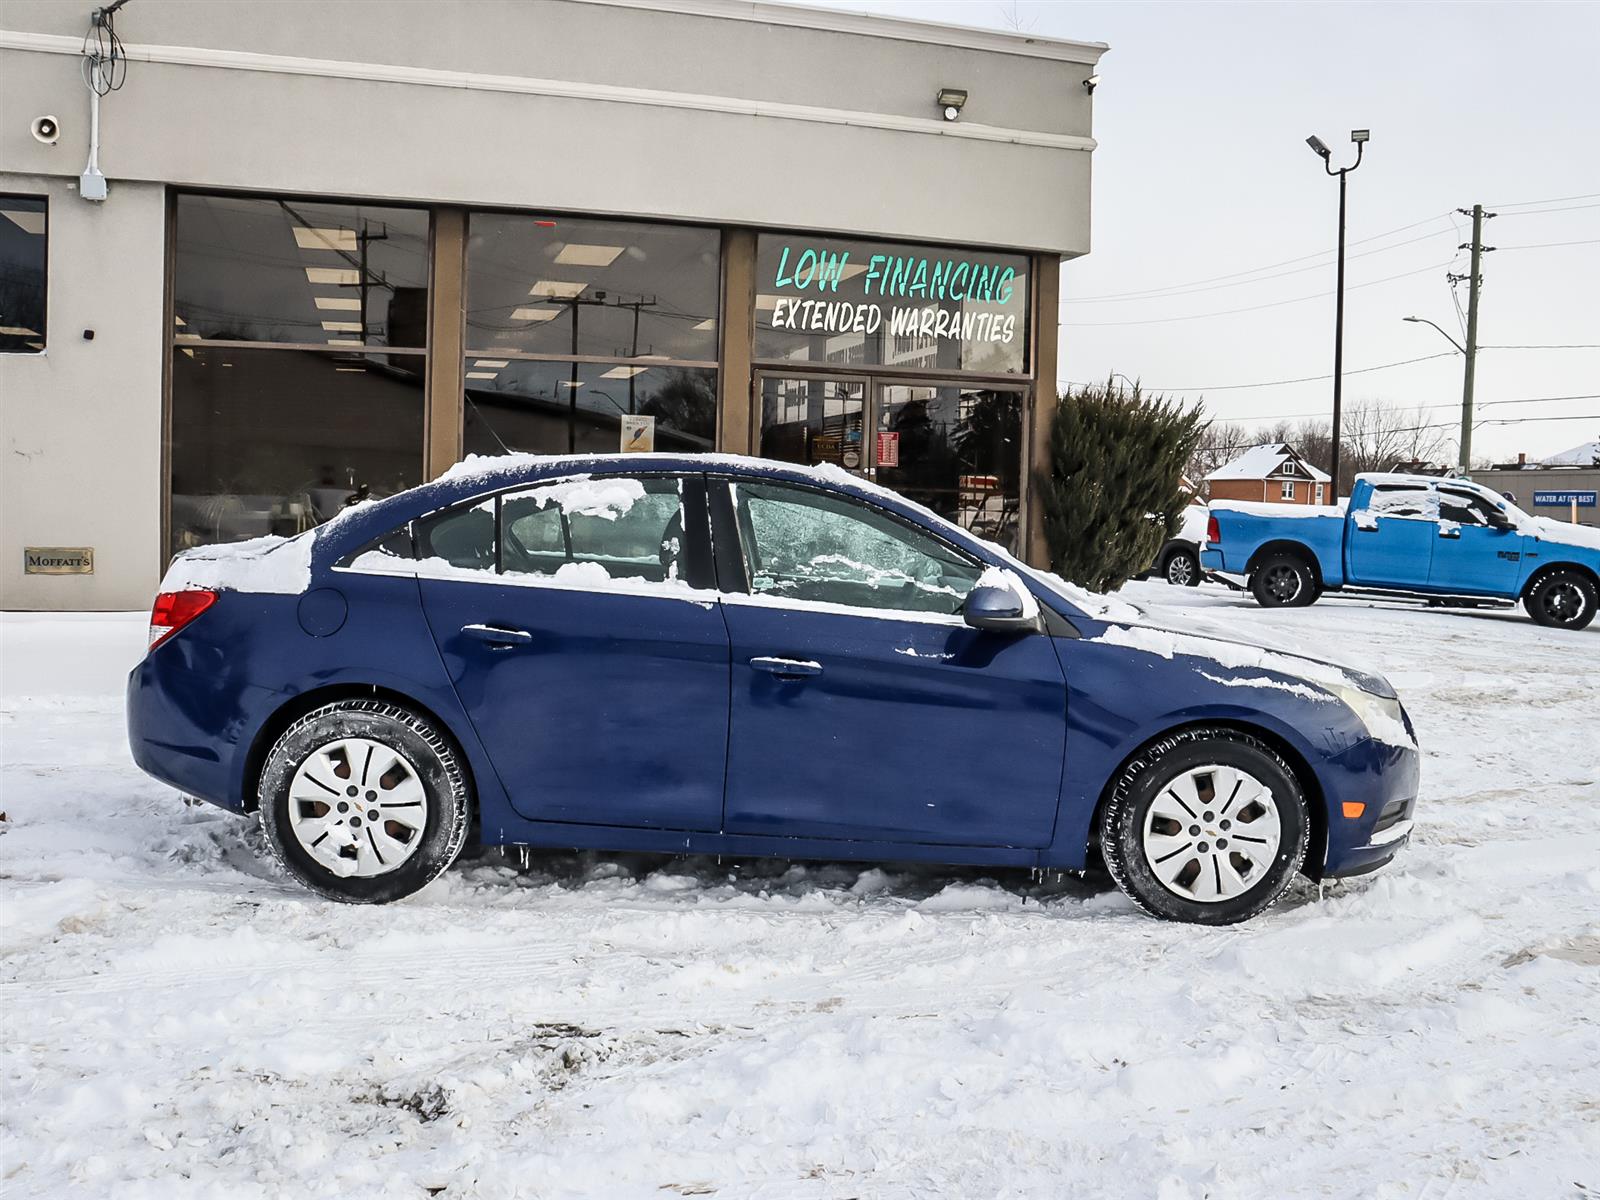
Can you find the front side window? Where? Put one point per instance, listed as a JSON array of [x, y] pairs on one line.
[[812, 547], [1464, 508], [22, 274]]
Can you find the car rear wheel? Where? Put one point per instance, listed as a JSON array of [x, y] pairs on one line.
[[1207, 826], [1183, 568], [364, 801], [1562, 600], [1284, 581]]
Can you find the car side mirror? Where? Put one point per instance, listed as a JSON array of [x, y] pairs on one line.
[[1499, 520], [998, 608]]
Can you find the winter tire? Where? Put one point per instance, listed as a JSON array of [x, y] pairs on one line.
[[1562, 600], [1207, 826], [1182, 568], [1284, 581], [364, 801]]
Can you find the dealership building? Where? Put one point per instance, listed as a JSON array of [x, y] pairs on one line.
[[339, 247]]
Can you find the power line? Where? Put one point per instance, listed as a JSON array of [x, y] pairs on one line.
[[1228, 312], [1539, 212], [1549, 245], [1270, 266], [1233, 387], [1570, 346], [1182, 290], [1430, 407], [1547, 200]]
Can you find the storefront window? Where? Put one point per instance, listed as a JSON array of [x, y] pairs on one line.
[[810, 420], [572, 407], [592, 289], [270, 441], [873, 304], [301, 272], [278, 437], [23, 263], [573, 323]]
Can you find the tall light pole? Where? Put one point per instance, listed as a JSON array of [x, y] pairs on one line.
[[1360, 138], [1465, 449]]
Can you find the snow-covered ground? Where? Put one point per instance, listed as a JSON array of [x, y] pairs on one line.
[[180, 1021]]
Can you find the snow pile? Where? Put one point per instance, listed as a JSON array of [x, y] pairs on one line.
[[264, 564], [1561, 532], [1258, 508]]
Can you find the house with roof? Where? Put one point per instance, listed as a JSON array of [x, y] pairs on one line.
[[1274, 473]]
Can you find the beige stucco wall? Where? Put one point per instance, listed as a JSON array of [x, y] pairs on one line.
[[80, 425]]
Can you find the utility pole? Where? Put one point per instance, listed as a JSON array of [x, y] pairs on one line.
[[1475, 283]]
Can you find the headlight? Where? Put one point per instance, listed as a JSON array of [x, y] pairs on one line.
[[1381, 715]]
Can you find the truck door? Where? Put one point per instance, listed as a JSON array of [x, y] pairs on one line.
[[1391, 540], [1474, 554]]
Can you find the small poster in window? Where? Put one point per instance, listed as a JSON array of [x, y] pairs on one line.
[[888, 449], [638, 434]]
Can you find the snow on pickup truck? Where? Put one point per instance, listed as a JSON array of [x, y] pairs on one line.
[[1413, 535]]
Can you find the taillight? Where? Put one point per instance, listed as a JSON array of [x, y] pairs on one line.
[[173, 610], [1213, 531]]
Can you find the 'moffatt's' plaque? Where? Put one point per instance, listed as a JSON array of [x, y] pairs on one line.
[[58, 560]]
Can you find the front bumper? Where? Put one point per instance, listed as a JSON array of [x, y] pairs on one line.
[[1384, 780]]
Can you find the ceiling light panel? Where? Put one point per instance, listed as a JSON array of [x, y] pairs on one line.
[[339, 303], [561, 288], [576, 255], [535, 314], [491, 362], [342, 326], [623, 372], [325, 239], [482, 374], [335, 276]]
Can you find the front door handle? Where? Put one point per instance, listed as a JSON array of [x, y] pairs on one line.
[[1450, 533], [497, 637], [787, 668]]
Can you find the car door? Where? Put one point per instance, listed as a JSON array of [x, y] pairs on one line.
[[1472, 554], [1391, 539], [594, 671], [862, 706]]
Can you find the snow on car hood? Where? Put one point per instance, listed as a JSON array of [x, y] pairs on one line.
[[1560, 532], [264, 564]]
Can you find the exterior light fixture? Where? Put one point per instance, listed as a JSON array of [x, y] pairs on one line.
[[952, 100], [1091, 83], [1360, 137]]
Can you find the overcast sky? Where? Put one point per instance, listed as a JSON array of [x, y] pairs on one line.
[[1203, 171]]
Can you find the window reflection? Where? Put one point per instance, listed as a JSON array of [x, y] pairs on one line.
[[813, 421], [278, 441], [561, 408], [290, 270], [957, 451], [617, 289], [22, 274]]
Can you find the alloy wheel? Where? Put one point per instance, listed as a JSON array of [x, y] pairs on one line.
[[1180, 570], [357, 807], [1563, 601], [1212, 833], [1283, 582]]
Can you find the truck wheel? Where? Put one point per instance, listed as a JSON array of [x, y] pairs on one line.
[[1182, 568], [1207, 826], [1284, 581], [1563, 600]]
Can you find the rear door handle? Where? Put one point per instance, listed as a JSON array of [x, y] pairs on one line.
[[787, 668], [497, 637]]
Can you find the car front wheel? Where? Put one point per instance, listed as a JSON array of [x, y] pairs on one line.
[[1207, 826], [1562, 600], [364, 801]]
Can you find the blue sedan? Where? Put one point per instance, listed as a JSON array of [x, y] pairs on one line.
[[716, 655]]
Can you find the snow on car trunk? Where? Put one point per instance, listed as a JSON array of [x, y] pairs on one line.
[[179, 1018]]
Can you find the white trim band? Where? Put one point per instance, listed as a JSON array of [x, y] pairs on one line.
[[280, 64]]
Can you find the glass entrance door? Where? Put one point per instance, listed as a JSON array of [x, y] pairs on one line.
[[812, 420], [956, 449]]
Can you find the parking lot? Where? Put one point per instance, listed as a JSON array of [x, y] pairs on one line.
[[180, 1020]]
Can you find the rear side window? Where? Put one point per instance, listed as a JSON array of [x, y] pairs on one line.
[[1401, 500], [595, 529], [461, 537]]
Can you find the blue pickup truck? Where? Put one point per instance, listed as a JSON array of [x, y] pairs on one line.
[[1413, 535]]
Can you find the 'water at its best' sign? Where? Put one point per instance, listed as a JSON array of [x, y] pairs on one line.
[[1583, 499]]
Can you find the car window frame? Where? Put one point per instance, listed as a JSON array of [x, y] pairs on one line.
[[732, 563], [700, 574], [1430, 511], [1473, 498]]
